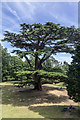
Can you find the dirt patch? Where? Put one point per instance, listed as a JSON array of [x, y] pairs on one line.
[[58, 92], [29, 97]]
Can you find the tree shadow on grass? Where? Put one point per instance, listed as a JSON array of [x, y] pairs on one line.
[[55, 112], [26, 97], [33, 99]]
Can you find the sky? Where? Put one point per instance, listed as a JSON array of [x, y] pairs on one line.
[[15, 13]]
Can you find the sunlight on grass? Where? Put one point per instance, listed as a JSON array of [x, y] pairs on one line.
[[58, 85], [7, 83], [27, 103], [10, 111]]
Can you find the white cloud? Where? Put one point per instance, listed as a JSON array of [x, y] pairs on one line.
[[31, 7], [22, 11], [1, 36], [6, 19], [62, 18], [25, 10], [13, 12], [62, 58], [10, 24]]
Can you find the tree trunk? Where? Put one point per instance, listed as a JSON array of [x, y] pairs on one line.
[[37, 79], [39, 65], [38, 84], [36, 61]]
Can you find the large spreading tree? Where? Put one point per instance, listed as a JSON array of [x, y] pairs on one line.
[[40, 41]]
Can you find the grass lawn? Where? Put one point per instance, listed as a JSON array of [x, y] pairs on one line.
[[27, 103]]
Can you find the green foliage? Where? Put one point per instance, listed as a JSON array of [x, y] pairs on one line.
[[50, 76], [47, 64], [74, 76], [10, 65], [40, 41], [50, 63], [5, 64], [65, 66], [55, 69]]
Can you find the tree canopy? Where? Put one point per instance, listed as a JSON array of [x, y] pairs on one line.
[[41, 41]]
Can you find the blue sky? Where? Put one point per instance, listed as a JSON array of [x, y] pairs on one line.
[[14, 13]]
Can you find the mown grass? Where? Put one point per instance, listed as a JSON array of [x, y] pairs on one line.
[[58, 85], [27, 103]]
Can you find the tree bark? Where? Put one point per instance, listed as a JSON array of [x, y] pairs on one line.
[[37, 79], [36, 61], [38, 84], [28, 62]]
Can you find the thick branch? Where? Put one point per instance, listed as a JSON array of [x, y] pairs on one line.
[[28, 61], [43, 59]]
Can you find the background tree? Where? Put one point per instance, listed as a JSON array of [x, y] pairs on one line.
[[73, 82], [52, 65], [10, 65], [48, 64], [54, 61], [5, 64], [15, 64], [40, 41]]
